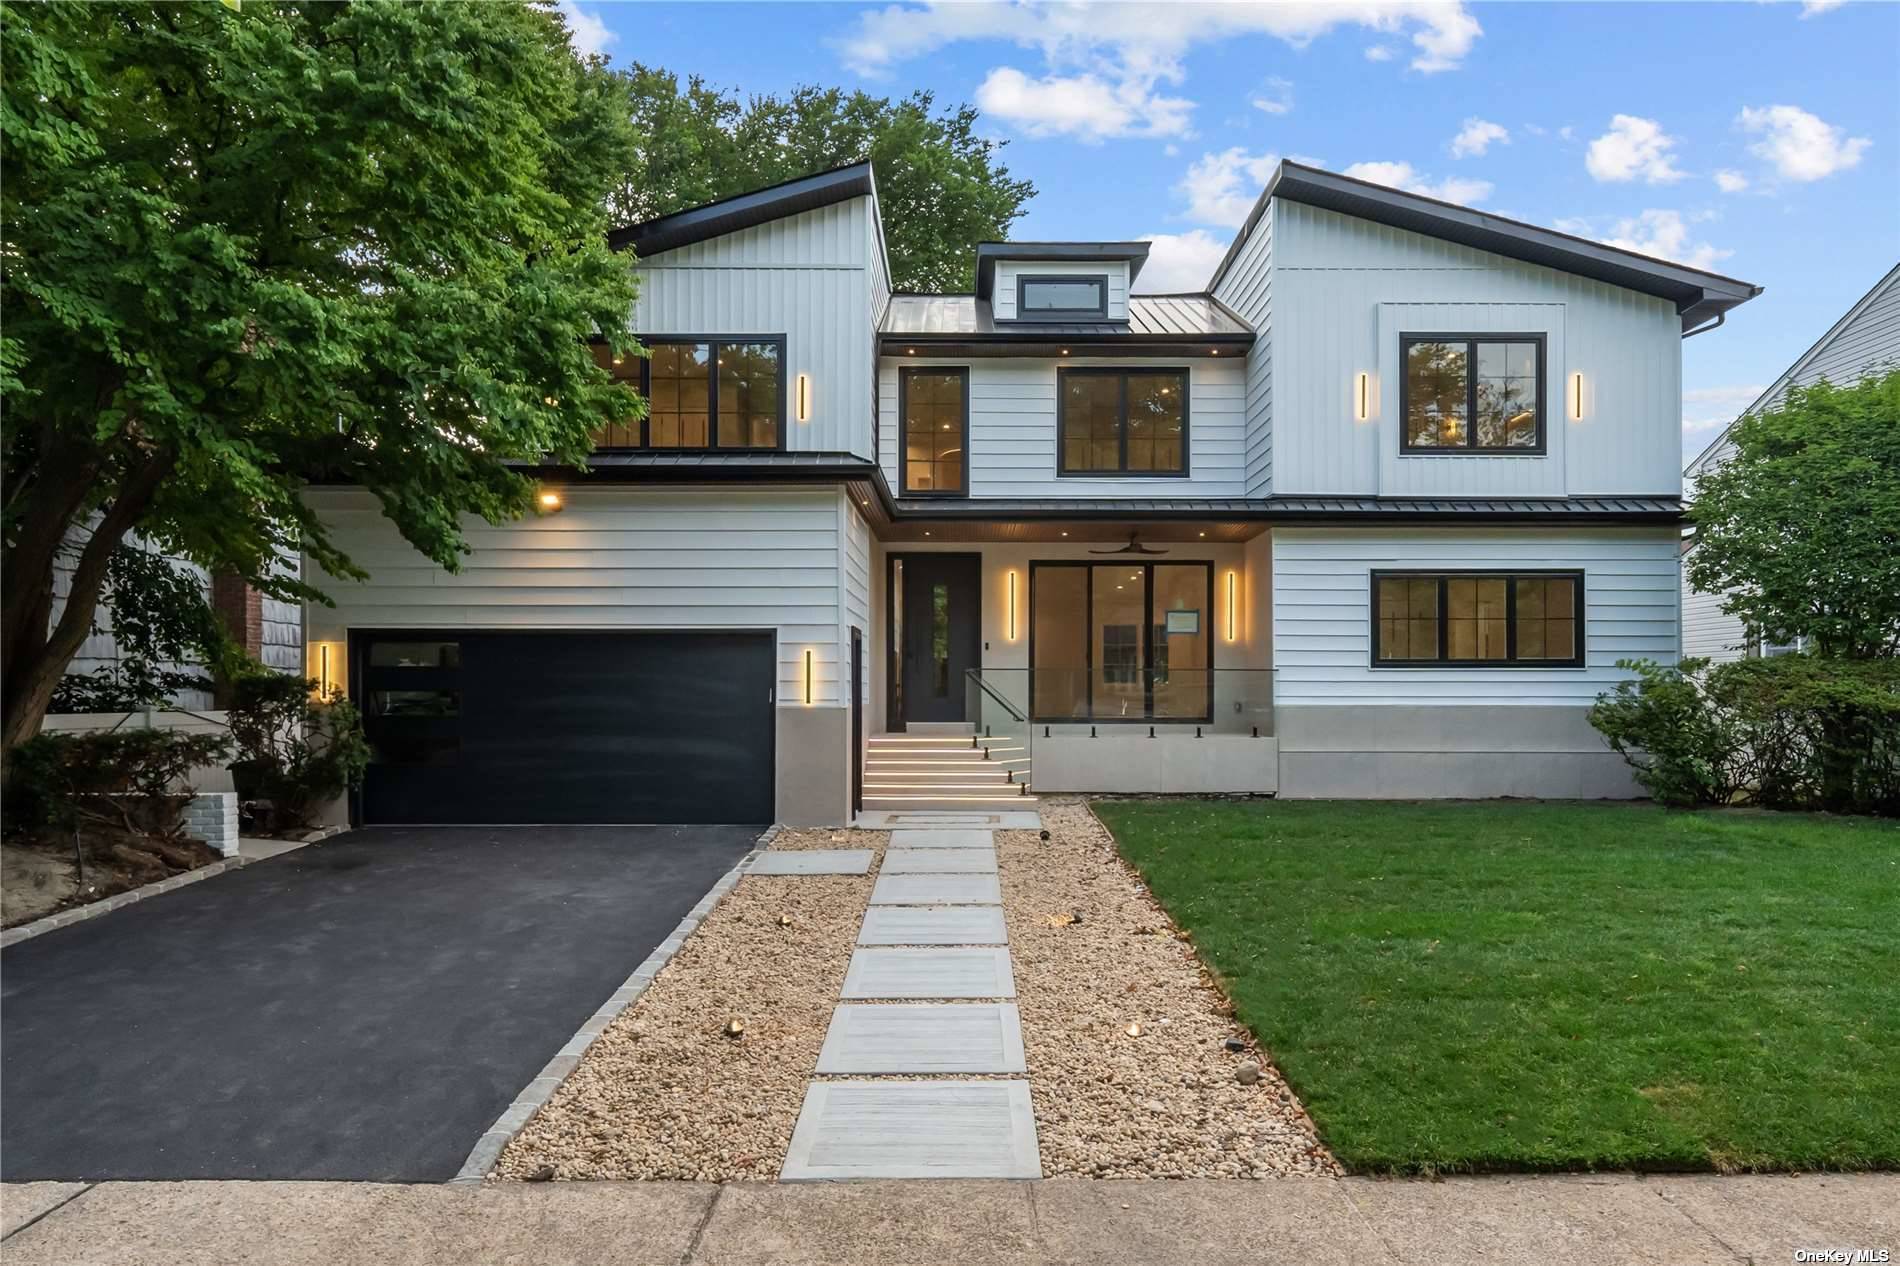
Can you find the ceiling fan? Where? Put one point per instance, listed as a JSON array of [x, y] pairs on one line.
[[1134, 546]]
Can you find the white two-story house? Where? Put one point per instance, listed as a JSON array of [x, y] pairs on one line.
[[1373, 515]]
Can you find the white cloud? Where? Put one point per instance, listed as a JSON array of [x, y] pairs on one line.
[[586, 31], [1634, 148], [1477, 136], [1730, 181], [1221, 188], [1085, 106], [1403, 176], [1378, 53], [1797, 144], [1179, 261], [1707, 410], [1664, 235], [1275, 96], [1813, 8]]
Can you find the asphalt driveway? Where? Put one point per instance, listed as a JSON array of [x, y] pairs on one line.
[[363, 1008]]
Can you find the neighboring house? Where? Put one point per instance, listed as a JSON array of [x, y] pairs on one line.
[[1863, 342], [1375, 514]]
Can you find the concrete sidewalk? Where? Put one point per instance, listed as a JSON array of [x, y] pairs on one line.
[[1574, 1220]]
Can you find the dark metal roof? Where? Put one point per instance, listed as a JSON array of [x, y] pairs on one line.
[[1135, 254], [963, 324], [1293, 509], [1699, 295], [717, 467], [744, 211]]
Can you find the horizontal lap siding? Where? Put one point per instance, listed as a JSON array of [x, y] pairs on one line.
[[613, 559], [1013, 431], [857, 590], [1322, 633], [1003, 297]]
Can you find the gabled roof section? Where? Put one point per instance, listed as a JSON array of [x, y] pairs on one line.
[[1796, 371], [1134, 254], [1699, 296], [744, 211]]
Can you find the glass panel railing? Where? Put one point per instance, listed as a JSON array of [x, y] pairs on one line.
[[1216, 701], [1002, 724]]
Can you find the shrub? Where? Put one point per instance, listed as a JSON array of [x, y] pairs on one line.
[[293, 751], [1793, 732], [127, 780]]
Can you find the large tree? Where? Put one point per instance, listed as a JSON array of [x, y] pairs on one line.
[[942, 186], [250, 247], [1800, 529]]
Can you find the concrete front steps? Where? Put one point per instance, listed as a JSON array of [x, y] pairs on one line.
[[943, 765]]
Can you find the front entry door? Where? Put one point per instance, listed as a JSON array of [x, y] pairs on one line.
[[942, 633]]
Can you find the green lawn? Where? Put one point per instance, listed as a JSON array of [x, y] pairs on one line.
[[1549, 986]]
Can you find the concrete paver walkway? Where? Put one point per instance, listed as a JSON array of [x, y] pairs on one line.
[[1581, 1220]]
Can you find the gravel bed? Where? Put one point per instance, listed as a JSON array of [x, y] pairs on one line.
[[663, 1093], [1163, 1104]]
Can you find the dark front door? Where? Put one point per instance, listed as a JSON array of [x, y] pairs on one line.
[[566, 727], [942, 632]]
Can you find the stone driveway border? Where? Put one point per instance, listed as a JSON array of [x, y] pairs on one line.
[[488, 1148]]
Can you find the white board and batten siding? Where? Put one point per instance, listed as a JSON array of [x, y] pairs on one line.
[[1322, 611], [620, 558], [1013, 433], [1358, 286], [1003, 297], [806, 277], [1247, 289]]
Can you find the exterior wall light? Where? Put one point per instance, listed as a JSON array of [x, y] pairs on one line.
[[1233, 605], [1576, 397], [323, 672], [1012, 605], [324, 657], [804, 397], [1362, 396], [549, 500], [808, 675]]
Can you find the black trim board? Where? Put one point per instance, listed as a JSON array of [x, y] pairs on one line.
[[745, 210]]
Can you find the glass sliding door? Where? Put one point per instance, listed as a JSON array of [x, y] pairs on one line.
[[1124, 641]]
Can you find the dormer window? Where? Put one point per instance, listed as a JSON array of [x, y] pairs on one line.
[[1062, 298]]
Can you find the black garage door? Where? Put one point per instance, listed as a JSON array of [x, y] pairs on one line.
[[566, 727]]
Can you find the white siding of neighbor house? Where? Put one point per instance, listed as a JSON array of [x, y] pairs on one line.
[[1357, 285], [1013, 429], [1003, 299], [1248, 290], [1708, 632], [806, 277], [1322, 613], [614, 558]]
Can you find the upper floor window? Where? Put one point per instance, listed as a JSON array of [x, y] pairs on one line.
[[1062, 298], [1472, 393], [1122, 421], [935, 407], [703, 393], [1481, 619]]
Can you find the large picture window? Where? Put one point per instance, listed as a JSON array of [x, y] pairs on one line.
[[1477, 619], [1122, 421], [935, 407], [1472, 393], [1121, 641], [702, 393]]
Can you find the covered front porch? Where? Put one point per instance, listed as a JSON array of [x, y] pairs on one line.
[[1069, 654]]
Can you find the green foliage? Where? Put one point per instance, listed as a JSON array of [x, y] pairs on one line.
[[292, 750], [1792, 732], [166, 633], [941, 184], [1803, 523], [133, 779], [250, 249]]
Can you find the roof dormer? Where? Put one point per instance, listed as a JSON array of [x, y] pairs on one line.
[[1065, 282]]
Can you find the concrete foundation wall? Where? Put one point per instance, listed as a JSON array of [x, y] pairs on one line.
[[1447, 753], [814, 766], [1170, 764]]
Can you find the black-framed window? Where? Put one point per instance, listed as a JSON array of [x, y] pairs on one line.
[[1121, 641], [702, 393], [1122, 421], [1062, 298], [1472, 393], [1479, 619], [934, 404]]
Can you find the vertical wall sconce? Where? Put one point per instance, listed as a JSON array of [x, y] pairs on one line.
[[1233, 605], [804, 397], [808, 675], [1012, 606], [1362, 397], [324, 690], [1576, 397]]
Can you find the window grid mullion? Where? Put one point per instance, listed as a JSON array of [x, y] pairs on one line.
[[1510, 619]]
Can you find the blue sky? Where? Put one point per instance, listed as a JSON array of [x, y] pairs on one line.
[[1759, 140]]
